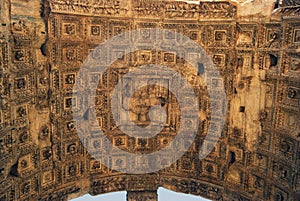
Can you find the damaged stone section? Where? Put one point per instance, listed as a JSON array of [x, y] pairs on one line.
[[249, 10], [24, 105]]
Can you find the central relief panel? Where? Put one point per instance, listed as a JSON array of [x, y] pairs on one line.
[[139, 96]]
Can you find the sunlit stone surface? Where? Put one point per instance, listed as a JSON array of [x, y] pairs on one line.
[[254, 45]]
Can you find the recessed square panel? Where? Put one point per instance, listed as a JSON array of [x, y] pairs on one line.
[[95, 165], [246, 37], [169, 57], [70, 54], [219, 59], [120, 141], [118, 30], [169, 34], [119, 162], [72, 169], [297, 36], [69, 29], [142, 143], [20, 83], [21, 55], [47, 177], [145, 33], [69, 79], [95, 30], [144, 56], [70, 102], [21, 111], [272, 35], [295, 64], [119, 55], [220, 36], [193, 35]]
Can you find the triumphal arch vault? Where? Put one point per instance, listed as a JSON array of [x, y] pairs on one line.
[[232, 87]]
